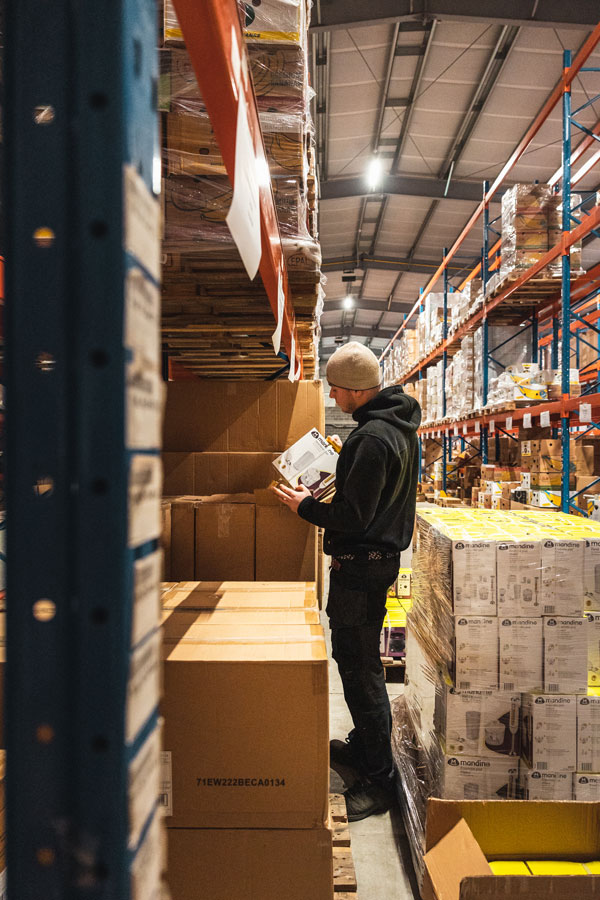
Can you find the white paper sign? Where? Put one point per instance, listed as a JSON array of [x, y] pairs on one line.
[[280, 310], [144, 405], [508, 423], [243, 218], [142, 316], [465, 429], [145, 490], [477, 427], [143, 686], [585, 412], [294, 373], [455, 430], [545, 419], [142, 222], [526, 420], [144, 781], [146, 596], [492, 426]]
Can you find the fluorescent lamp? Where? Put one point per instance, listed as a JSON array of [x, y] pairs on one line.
[[374, 173], [348, 302]]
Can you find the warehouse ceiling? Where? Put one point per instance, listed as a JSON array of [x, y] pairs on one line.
[[441, 99]]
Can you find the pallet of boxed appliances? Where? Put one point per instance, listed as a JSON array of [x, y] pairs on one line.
[[501, 663]]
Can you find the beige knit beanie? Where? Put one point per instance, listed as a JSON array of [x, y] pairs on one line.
[[354, 367]]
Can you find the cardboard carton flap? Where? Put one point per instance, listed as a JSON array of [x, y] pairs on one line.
[[310, 650], [540, 887], [454, 857]]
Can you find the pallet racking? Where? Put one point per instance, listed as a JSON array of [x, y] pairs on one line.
[[553, 316]]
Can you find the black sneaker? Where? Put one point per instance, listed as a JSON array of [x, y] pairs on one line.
[[343, 761], [365, 799]]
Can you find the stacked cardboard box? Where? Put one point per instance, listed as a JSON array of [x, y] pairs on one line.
[[498, 651], [246, 760]]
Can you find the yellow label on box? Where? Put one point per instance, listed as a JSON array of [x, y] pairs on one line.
[[555, 867], [509, 867]]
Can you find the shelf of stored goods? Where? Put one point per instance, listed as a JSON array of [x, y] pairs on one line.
[[524, 297], [84, 392], [215, 44]]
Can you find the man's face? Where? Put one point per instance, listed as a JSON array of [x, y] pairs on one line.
[[346, 399]]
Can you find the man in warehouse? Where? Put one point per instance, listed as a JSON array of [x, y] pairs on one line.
[[368, 523]]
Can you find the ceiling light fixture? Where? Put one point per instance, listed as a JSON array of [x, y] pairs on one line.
[[374, 173], [348, 302]]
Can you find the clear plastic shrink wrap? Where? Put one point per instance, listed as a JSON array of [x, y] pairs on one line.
[[272, 21]]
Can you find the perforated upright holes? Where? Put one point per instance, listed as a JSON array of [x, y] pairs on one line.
[[45, 362], [43, 237], [44, 610], [44, 486], [44, 115]]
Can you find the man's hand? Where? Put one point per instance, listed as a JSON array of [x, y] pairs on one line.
[[336, 439], [290, 497]]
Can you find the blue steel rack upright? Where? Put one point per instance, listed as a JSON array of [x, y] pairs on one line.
[[83, 465]]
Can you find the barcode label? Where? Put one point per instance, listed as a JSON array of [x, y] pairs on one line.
[[542, 767], [163, 799], [509, 685], [553, 688], [464, 685], [586, 767]]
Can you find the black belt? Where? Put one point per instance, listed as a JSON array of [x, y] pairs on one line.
[[367, 555]]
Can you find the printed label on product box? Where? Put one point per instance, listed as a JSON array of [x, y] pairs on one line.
[[480, 723], [144, 405], [145, 490], [518, 578], [150, 862], [521, 654], [565, 655], [546, 785], [588, 734], [562, 577], [474, 578], [474, 778], [549, 738], [476, 653], [144, 775], [586, 787], [166, 782], [142, 316], [146, 595], [143, 686], [142, 222]]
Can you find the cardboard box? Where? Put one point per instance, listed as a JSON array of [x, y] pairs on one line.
[[403, 584], [518, 569], [565, 655], [593, 649], [207, 595], [479, 778], [243, 864], [535, 785], [591, 574], [521, 654], [563, 577], [549, 733], [545, 481], [245, 416], [586, 788], [310, 462], [474, 578], [478, 723], [203, 474], [476, 664], [188, 622], [460, 835], [286, 545], [247, 731], [225, 537], [588, 733]]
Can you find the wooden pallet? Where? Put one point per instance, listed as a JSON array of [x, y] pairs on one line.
[[344, 875]]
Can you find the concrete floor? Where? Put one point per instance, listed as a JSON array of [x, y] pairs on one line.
[[380, 848]]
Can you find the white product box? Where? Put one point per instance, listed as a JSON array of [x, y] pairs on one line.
[[586, 787], [518, 571], [546, 785], [521, 654], [549, 732], [545, 499], [404, 583], [474, 578], [476, 640], [562, 587], [565, 655], [479, 723], [588, 734], [474, 778], [593, 648], [311, 461], [592, 574]]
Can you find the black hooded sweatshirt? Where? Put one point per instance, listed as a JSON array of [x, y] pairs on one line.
[[376, 479]]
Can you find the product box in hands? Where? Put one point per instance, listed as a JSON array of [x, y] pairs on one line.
[[586, 787], [588, 732], [476, 658], [521, 654], [310, 462], [549, 732], [477, 778], [565, 655], [478, 723], [536, 785], [474, 578]]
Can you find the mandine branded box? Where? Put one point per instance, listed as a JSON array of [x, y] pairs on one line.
[[549, 732], [518, 570], [592, 574], [536, 785], [477, 778], [310, 462], [593, 648], [476, 653], [520, 654], [588, 733], [474, 578], [563, 578], [586, 787], [565, 655], [478, 723]]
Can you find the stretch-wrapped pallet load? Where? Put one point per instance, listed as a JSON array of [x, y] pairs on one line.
[[502, 661]]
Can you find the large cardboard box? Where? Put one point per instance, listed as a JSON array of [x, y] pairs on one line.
[[213, 537], [209, 595], [257, 864], [246, 733], [462, 836], [248, 416], [286, 545], [257, 625]]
